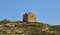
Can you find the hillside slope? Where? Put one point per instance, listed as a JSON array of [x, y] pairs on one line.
[[8, 27]]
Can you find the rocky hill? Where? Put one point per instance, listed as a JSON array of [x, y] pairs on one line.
[[8, 27]]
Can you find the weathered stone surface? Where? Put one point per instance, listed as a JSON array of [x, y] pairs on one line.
[[29, 17]]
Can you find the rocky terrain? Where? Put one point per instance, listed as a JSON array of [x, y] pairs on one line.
[[8, 27]]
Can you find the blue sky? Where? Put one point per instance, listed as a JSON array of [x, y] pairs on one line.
[[47, 11]]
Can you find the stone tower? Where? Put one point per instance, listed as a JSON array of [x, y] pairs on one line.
[[29, 17]]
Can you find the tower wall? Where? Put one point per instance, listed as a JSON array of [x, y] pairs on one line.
[[29, 17], [25, 18]]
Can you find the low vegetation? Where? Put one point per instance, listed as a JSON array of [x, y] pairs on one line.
[[8, 27]]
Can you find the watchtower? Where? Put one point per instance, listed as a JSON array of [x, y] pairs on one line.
[[29, 17]]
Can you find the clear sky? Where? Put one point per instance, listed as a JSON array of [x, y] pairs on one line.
[[47, 11]]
